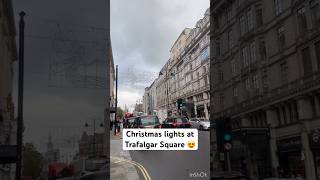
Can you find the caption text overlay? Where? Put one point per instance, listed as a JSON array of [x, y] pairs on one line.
[[160, 139]]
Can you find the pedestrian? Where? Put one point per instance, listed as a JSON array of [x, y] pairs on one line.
[[111, 125], [118, 125]]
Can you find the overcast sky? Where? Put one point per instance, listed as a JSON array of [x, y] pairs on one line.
[[142, 33], [61, 37], [66, 36]]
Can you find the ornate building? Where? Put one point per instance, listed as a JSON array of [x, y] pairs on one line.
[[185, 76], [265, 76]]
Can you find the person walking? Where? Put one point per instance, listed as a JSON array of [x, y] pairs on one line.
[[118, 125], [111, 125]]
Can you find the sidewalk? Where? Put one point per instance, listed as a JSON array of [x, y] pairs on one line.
[[119, 169]]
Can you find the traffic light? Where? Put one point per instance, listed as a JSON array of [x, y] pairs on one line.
[[224, 134], [227, 135], [179, 103]]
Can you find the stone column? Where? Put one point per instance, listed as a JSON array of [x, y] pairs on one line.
[[293, 111], [305, 112], [309, 159], [272, 119], [195, 110]]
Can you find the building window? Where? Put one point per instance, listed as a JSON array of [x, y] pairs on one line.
[[265, 80], [229, 13], [230, 39], [206, 81], [235, 92], [302, 20], [281, 37], [243, 28], [262, 47], [315, 15], [284, 71], [247, 84], [245, 56], [220, 74], [278, 6], [250, 21], [218, 47], [205, 54], [307, 64], [253, 52], [317, 47], [259, 17], [255, 81], [233, 67]]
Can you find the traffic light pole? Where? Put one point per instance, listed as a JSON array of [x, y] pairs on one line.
[[228, 162]]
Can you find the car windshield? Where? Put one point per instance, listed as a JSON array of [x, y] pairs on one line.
[[149, 120], [182, 120], [131, 120]]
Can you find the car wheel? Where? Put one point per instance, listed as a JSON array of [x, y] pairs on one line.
[[201, 128]]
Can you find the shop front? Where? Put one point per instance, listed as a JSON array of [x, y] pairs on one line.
[[250, 154], [291, 158], [314, 138]]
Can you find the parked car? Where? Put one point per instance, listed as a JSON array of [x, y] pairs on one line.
[[128, 122], [283, 179], [176, 122], [200, 123], [146, 122]]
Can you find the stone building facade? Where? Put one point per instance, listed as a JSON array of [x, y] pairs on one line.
[[150, 99], [8, 54], [265, 76], [162, 93], [185, 76]]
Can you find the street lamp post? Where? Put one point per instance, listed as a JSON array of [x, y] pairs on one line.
[[20, 97], [116, 103]]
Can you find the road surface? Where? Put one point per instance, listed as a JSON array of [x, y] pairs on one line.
[[177, 165]]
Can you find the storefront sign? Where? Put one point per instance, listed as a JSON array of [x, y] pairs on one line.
[[291, 144]]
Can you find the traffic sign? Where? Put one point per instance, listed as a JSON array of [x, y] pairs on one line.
[[227, 146]]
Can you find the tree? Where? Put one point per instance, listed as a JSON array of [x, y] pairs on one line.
[[33, 161], [120, 112]]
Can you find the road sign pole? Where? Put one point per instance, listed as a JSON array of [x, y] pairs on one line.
[[228, 162]]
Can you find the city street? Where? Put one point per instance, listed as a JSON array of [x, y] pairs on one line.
[[176, 165]]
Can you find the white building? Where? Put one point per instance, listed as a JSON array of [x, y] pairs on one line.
[[185, 76]]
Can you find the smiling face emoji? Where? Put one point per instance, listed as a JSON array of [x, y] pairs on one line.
[[191, 144]]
